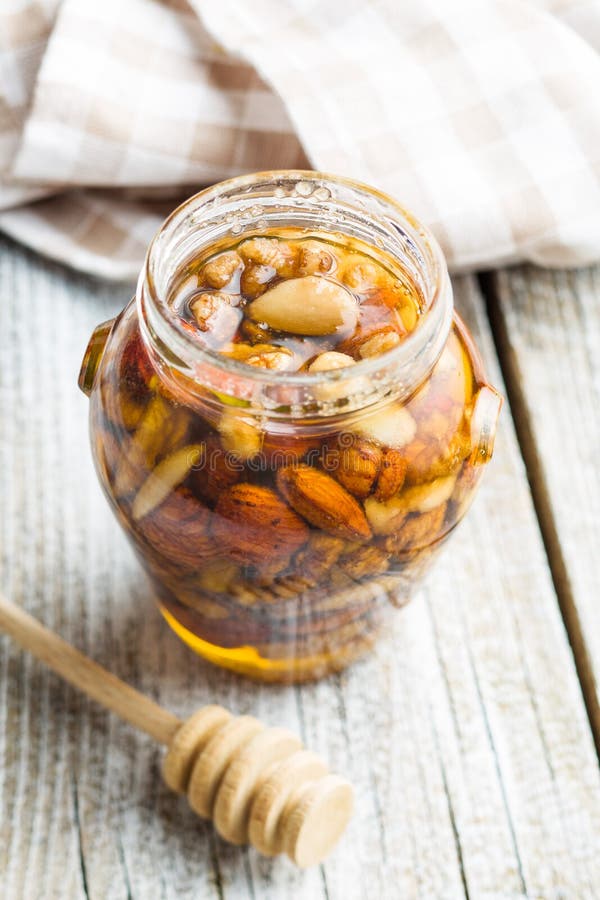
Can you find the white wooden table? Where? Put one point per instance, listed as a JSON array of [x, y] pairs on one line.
[[470, 734]]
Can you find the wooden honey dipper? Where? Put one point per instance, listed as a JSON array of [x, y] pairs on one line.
[[257, 784]]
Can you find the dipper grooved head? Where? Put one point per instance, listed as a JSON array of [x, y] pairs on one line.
[[258, 785]]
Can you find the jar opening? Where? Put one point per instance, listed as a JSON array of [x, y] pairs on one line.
[[254, 205]]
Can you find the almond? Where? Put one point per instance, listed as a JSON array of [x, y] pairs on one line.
[[392, 473], [161, 426], [128, 412], [355, 467], [218, 470], [179, 531], [239, 436], [135, 370], [323, 502], [341, 387], [385, 518], [425, 497], [252, 523], [287, 448], [392, 426], [330, 360], [380, 342], [311, 305], [436, 426], [169, 473], [108, 452]]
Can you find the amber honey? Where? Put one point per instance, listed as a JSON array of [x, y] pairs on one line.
[[277, 530]]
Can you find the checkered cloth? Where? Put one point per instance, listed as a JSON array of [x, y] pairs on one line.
[[482, 116]]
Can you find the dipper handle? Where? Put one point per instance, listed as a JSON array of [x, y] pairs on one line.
[[257, 784], [86, 675]]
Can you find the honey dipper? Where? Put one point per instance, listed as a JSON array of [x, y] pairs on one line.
[[256, 783]]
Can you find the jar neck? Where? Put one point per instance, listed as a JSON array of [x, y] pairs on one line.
[[263, 203]]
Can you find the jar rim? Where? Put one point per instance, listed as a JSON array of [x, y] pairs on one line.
[[164, 328]]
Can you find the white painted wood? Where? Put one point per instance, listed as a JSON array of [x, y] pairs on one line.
[[549, 323], [464, 733]]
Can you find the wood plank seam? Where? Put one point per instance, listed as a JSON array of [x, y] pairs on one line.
[[492, 745], [541, 500], [323, 874], [303, 732], [452, 816], [214, 857], [123, 864], [443, 772], [80, 850], [498, 767], [249, 875]]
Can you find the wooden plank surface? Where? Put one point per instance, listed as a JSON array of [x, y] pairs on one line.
[[548, 326], [465, 732]]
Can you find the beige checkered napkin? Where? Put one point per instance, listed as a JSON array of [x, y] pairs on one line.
[[24, 30], [483, 116]]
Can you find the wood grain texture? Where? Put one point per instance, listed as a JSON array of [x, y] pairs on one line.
[[464, 733], [548, 333]]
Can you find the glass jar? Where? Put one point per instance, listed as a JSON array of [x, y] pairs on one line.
[[281, 516]]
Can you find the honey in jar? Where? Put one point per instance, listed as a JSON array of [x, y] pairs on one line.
[[289, 419]]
